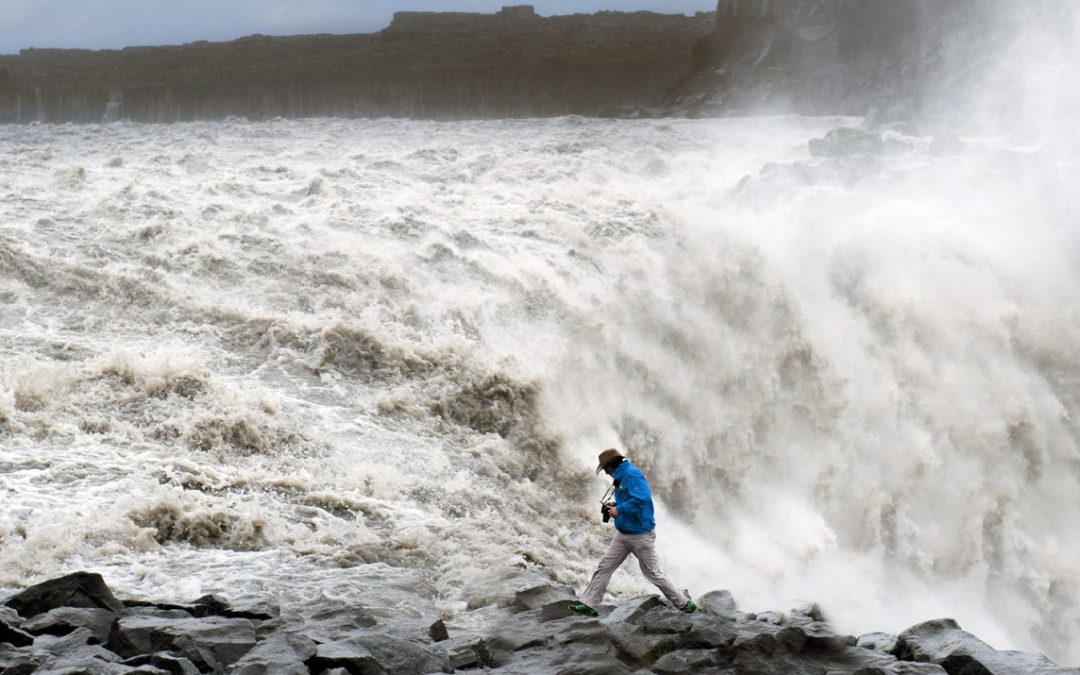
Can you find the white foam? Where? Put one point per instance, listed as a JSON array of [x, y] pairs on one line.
[[851, 384]]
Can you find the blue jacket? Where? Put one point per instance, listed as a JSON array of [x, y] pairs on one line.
[[633, 499]]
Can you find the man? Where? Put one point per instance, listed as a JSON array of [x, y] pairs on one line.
[[632, 515]]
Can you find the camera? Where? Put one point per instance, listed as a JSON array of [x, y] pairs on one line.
[[605, 511]]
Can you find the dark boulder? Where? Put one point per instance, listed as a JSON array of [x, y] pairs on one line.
[[560, 609], [81, 589], [664, 620], [709, 632], [632, 610], [64, 620], [881, 642], [539, 596], [719, 603], [215, 605], [210, 642], [943, 642], [513, 637], [645, 629], [73, 653], [337, 623], [405, 656], [354, 657], [437, 631], [470, 652], [279, 654]]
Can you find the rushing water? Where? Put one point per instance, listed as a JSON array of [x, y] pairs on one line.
[[374, 361]]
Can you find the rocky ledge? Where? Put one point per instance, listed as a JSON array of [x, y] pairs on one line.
[[74, 624]]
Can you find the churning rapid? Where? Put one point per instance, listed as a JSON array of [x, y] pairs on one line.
[[374, 361]]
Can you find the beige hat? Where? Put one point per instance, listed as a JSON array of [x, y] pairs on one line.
[[606, 456]]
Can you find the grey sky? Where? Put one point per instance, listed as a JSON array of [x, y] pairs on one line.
[[110, 24]]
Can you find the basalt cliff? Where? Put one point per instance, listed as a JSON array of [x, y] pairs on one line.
[[889, 60], [424, 65]]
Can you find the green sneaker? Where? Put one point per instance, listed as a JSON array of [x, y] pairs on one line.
[[582, 608], [689, 607]]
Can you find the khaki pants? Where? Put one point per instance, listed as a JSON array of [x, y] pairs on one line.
[[643, 546]]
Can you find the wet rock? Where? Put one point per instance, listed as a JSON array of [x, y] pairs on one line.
[[539, 596], [632, 610], [903, 668], [214, 605], [280, 654], [719, 603], [640, 646], [881, 642], [687, 661], [664, 619], [64, 620], [14, 658], [347, 654], [943, 642], [810, 613], [174, 665], [72, 653], [845, 142], [592, 659], [404, 656], [820, 637], [214, 642], [254, 610], [9, 616], [513, 637], [437, 631], [560, 609], [708, 632], [775, 618], [337, 623], [641, 634], [81, 589], [11, 634], [471, 652], [581, 631]]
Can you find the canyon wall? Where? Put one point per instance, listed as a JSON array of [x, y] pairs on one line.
[[424, 65], [888, 59]]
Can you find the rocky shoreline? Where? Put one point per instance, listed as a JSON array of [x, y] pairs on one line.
[[75, 624]]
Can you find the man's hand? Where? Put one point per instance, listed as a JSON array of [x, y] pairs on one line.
[[613, 511]]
